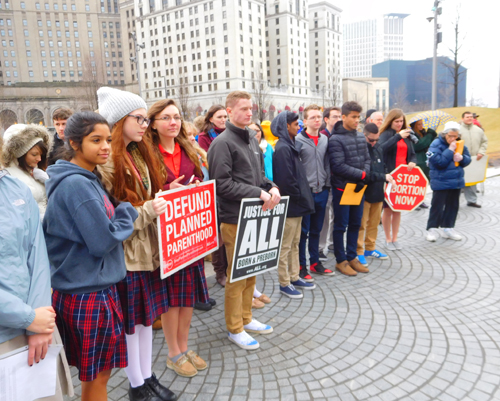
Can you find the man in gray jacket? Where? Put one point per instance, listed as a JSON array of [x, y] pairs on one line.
[[313, 151], [477, 143], [237, 165]]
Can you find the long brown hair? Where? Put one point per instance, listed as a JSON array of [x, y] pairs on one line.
[[125, 180], [207, 125], [182, 138], [394, 114]]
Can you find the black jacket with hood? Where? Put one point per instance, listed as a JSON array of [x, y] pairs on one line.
[[237, 166], [288, 172], [376, 179], [349, 156]]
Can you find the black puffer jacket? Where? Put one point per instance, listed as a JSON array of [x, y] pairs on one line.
[[376, 179], [389, 144], [349, 157], [288, 172]]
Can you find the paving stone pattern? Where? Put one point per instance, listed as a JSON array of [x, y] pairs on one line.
[[424, 325]]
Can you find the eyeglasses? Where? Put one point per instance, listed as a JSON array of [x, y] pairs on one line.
[[140, 119], [167, 119], [372, 140]]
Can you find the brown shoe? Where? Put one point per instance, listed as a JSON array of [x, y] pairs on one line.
[[256, 304], [356, 265], [197, 362], [157, 324], [183, 366], [264, 298], [344, 268]]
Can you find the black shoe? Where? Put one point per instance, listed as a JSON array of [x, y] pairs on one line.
[[424, 205], [304, 275], [471, 204], [164, 393], [142, 393], [212, 302], [203, 306], [322, 256], [318, 268]]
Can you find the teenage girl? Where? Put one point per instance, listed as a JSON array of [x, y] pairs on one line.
[[134, 175], [84, 230], [187, 286]]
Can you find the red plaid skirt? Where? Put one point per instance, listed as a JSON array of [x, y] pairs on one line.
[[187, 286], [91, 327], [143, 297]]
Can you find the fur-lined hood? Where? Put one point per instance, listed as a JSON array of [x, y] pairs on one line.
[[20, 138]]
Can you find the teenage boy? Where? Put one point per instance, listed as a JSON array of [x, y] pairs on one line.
[[349, 163], [313, 151], [59, 119], [290, 176], [237, 165], [374, 196], [331, 116]]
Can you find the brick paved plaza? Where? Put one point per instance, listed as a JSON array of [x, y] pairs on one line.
[[424, 325]]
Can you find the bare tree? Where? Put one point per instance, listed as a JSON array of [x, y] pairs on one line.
[[455, 67], [181, 92], [261, 94], [400, 98], [93, 79], [334, 84]]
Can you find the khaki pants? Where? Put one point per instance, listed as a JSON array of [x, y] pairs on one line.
[[369, 227], [239, 294], [288, 266]]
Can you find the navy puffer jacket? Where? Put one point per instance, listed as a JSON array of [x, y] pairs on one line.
[[444, 174], [349, 156]]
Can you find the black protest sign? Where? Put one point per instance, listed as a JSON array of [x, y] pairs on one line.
[[258, 239]]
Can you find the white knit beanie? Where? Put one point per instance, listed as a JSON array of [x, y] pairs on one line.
[[24, 147], [451, 126], [114, 104]]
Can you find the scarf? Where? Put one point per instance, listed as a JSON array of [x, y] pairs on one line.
[[214, 132], [138, 163]]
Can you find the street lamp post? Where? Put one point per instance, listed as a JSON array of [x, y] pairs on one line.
[[135, 59], [437, 39]]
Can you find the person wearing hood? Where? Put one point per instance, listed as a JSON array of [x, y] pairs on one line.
[[290, 176], [447, 180], [25, 158], [313, 151], [349, 163], [84, 229]]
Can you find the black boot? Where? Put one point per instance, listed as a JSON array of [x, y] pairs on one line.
[[142, 393], [164, 393]]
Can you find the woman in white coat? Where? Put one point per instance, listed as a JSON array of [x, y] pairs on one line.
[[25, 158]]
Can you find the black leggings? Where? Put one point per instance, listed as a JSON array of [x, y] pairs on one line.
[[444, 208]]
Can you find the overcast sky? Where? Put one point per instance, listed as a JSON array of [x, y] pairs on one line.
[[480, 30]]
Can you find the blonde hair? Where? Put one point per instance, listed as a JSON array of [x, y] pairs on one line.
[[198, 123], [233, 97]]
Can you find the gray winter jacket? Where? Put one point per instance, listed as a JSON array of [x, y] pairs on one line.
[[237, 165], [315, 160]]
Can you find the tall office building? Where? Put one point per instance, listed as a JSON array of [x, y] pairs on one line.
[[370, 42], [325, 48]]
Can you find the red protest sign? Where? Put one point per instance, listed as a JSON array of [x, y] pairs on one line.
[[187, 231], [409, 191]]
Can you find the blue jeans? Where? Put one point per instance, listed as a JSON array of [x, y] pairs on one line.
[[345, 217], [311, 227]]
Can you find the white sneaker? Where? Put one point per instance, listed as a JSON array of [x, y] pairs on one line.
[[257, 327], [432, 234], [451, 234], [243, 340]]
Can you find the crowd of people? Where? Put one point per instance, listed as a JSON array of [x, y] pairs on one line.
[[79, 249]]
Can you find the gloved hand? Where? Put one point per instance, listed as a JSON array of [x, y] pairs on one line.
[[40, 175], [457, 157], [413, 138], [359, 186]]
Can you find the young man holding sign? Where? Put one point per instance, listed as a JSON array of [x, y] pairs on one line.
[[237, 165]]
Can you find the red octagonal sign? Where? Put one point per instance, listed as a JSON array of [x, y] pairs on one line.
[[409, 191]]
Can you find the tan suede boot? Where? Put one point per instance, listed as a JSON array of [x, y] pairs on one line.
[[356, 265], [344, 268]]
